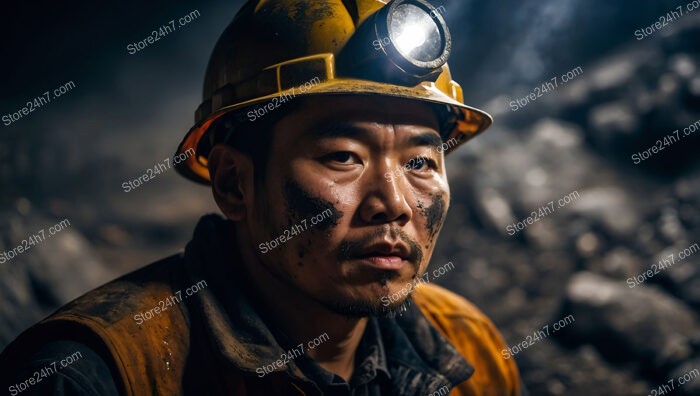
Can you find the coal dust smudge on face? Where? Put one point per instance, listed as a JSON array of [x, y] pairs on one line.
[[434, 215], [304, 205]]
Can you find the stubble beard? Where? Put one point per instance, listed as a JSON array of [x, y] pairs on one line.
[[362, 308]]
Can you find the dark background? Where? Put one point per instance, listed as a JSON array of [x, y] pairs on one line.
[[68, 160]]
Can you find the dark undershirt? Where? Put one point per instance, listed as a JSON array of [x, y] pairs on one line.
[[371, 375], [88, 375]]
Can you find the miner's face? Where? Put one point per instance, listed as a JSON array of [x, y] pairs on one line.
[[356, 194]]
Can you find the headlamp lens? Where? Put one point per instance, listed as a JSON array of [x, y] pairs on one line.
[[415, 33], [406, 42]]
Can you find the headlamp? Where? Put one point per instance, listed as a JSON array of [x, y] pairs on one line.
[[405, 42]]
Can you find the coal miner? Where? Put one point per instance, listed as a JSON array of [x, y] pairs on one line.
[[309, 282]]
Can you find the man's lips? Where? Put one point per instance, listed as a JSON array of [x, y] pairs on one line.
[[386, 248], [385, 255], [385, 262]]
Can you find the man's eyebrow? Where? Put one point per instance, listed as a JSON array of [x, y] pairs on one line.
[[425, 139], [351, 131]]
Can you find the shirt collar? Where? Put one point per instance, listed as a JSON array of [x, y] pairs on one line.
[[372, 354], [371, 363]]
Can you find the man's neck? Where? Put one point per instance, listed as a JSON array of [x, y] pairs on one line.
[[302, 319]]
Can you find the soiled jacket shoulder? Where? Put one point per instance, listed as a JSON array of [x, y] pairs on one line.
[[475, 337], [140, 356]]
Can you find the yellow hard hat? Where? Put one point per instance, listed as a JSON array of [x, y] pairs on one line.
[[275, 50]]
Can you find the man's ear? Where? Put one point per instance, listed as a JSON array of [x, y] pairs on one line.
[[231, 180]]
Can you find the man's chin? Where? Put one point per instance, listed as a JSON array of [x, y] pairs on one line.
[[364, 308]]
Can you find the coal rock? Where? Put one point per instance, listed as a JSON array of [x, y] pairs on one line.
[[551, 370], [640, 323], [53, 271], [686, 378]]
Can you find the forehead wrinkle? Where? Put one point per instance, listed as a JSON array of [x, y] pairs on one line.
[[341, 129], [371, 133]]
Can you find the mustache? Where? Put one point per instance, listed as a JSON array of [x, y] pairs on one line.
[[350, 249]]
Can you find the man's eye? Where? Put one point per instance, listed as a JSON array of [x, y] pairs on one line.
[[342, 157], [421, 164]]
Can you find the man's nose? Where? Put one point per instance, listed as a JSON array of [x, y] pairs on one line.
[[386, 199]]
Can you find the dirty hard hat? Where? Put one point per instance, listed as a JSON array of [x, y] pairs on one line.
[[276, 50]]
